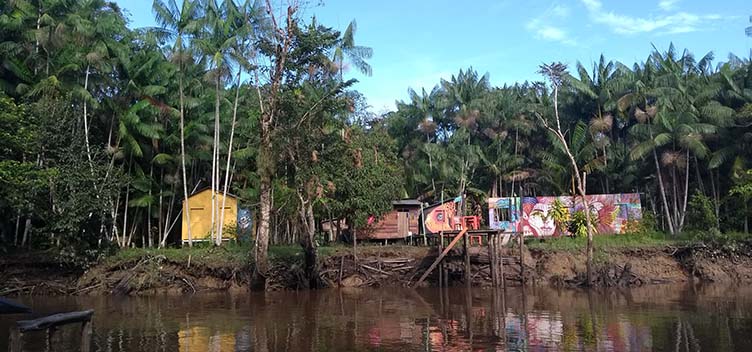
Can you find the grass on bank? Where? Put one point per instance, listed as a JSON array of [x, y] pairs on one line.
[[636, 241], [239, 254], [235, 254]]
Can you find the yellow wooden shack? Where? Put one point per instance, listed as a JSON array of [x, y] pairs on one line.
[[200, 203]]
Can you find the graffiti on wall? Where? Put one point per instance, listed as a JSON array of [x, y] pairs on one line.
[[245, 222], [530, 215], [441, 217]]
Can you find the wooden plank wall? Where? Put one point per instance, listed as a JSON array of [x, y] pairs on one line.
[[386, 228]]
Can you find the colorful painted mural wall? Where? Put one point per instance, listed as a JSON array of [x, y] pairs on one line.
[[530, 214], [441, 217]]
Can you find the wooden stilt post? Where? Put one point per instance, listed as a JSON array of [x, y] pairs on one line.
[[492, 258], [501, 264], [50, 335], [522, 262], [86, 332], [441, 265], [468, 276], [441, 256], [15, 343]]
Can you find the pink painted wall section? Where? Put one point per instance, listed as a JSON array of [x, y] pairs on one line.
[[530, 214]]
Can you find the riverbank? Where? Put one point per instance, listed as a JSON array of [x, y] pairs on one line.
[[620, 260]]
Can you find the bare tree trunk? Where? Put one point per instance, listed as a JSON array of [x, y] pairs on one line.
[[580, 182], [261, 269], [309, 243], [265, 160], [186, 206]]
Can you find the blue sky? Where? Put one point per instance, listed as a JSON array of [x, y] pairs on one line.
[[416, 43]]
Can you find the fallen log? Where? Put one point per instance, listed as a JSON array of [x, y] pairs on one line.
[[54, 320]]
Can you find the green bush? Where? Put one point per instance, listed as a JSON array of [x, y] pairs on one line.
[[701, 213]]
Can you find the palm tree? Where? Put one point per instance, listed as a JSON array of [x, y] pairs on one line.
[[601, 88], [355, 54], [241, 18], [180, 23]]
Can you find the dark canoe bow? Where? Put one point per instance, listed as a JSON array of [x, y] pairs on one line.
[[10, 307]]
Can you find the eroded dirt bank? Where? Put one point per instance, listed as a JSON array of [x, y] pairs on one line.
[[380, 266]]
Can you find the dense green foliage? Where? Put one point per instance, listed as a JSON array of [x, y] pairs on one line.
[[94, 115], [669, 127]]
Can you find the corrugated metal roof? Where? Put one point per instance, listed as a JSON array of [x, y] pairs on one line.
[[407, 202]]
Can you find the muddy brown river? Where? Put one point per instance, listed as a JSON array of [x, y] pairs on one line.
[[657, 318]]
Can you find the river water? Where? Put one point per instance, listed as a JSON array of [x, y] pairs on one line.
[[660, 318]]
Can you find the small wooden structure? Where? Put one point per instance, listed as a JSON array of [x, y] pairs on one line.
[[200, 203], [402, 222]]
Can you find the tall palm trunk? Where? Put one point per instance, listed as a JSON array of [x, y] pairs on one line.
[[26, 240], [125, 214], [186, 206], [148, 213], [686, 193], [229, 155], [86, 123], [661, 186], [215, 165]]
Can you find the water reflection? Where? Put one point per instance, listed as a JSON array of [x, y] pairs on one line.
[[664, 318]]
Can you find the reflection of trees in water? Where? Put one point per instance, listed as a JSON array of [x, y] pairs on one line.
[[709, 319]]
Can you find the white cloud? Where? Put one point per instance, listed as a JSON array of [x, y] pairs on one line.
[[552, 33], [678, 22], [667, 5], [543, 26], [560, 11]]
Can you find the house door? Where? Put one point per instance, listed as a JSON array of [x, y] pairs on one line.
[[403, 223]]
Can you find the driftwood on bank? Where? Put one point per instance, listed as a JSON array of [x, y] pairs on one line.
[[367, 271]]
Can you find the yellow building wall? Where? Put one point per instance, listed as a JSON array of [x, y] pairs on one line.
[[201, 215]]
